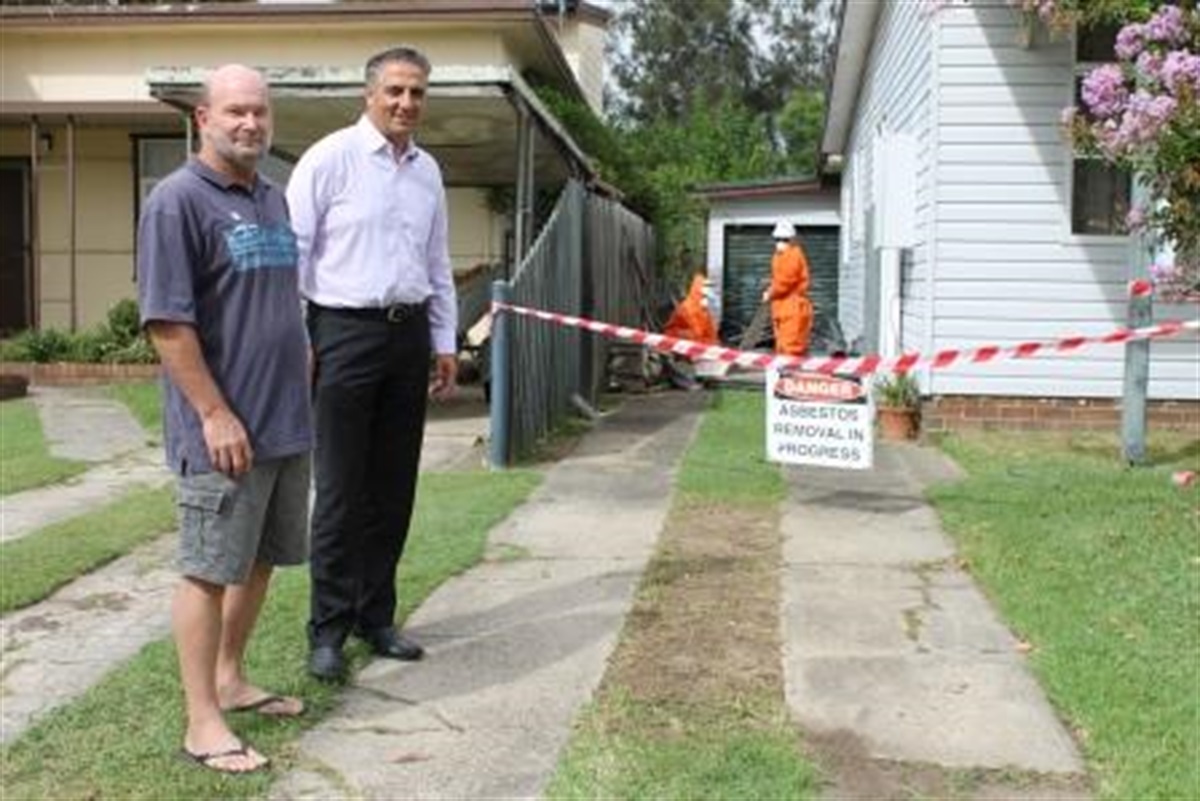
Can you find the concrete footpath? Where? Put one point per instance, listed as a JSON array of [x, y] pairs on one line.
[[51, 652], [516, 646], [84, 424], [888, 642]]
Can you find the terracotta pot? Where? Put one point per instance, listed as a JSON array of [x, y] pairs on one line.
[[897, 423]]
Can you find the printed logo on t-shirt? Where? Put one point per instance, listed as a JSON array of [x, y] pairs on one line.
[[258, 247]]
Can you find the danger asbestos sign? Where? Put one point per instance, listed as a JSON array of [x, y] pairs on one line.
[[819, 419]]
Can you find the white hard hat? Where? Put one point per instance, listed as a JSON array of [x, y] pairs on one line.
[[783, 230]]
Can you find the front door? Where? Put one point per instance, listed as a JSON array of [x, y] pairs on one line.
[[14, 246]]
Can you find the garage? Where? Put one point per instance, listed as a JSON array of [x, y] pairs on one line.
[[739, 249], [747, 260]]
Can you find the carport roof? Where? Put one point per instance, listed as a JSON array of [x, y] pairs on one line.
[[470, 124]]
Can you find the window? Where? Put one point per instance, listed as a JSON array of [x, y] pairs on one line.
[[159, 156], [1100, 193]]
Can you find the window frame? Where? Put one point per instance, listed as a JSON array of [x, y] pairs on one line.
[[1079, 69], [137, 139]]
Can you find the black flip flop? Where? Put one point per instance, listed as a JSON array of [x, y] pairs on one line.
[[207, 760], [258, 704]]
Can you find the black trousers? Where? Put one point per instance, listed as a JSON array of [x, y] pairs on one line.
[[370, 389]]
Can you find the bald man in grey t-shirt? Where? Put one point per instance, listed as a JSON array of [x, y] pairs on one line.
[[219, 296]]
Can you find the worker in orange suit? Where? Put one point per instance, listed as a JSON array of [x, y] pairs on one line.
[[791, 310], [691, 318]]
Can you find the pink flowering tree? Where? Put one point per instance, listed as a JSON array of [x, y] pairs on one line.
[[1142, 114]]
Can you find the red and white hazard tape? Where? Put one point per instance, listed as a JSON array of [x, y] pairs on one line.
[[853, 365]]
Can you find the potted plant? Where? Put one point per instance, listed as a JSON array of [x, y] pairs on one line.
[[898, 406]]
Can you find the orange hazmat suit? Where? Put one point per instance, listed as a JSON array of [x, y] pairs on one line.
[[791, 310], [691, 319]]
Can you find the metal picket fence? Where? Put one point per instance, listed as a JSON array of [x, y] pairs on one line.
[[592, 258]]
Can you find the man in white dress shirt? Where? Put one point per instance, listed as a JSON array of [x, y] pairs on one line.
[[369, 210]]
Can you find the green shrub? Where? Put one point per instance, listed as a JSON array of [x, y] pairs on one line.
[[125, 322], [93, 345], [139, 351], [119, 340], [49, 345]]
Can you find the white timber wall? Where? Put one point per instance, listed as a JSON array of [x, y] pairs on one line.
[[1007, 267]]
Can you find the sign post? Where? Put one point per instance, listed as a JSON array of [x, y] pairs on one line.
[[819, 419]]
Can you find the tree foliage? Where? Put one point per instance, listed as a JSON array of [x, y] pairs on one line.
[[671, 56], [708, 91]]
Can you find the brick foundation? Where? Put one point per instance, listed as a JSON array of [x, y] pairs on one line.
[[956, 412], [78, 373]]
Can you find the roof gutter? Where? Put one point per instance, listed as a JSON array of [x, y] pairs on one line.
[[856, 32], [109, 14]]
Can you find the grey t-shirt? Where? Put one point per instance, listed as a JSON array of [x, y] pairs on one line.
[[223, 258]]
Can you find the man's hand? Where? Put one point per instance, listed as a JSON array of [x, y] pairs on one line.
[[444, 377], [228, 445], [178, 347]]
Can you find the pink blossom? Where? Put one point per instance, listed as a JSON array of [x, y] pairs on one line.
[[1130, 41], [1162, 273], [1149, 65], [1142, 119], [1104, 91], [1046, 10], [1135, 220], [1180, 67], [1067, 118], [1166, 26]]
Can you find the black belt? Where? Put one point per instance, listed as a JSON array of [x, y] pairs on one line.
[[395, 313]]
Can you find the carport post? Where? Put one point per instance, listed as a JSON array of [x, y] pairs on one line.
[[524, 191], [501, 399]]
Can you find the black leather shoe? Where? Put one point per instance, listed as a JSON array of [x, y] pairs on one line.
[[389, 643], [327, 663]]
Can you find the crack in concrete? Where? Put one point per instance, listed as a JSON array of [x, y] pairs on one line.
[[436, 713], [384, 730], [331, 774], [914, 616]]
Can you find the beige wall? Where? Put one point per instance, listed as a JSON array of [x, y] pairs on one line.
[[476, 234], [62, 66], [104, 221], [582, 44], [103, 226], [79, 65]]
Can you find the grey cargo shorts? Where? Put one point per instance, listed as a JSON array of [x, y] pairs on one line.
[[227, 524]]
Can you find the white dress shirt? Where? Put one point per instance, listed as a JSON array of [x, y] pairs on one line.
[[371, 227]]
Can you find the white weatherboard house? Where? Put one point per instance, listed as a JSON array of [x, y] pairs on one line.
[[967, 218]]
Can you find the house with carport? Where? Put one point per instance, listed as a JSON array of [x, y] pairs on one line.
[[94, 103]]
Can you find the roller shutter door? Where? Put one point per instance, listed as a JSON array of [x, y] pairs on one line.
[[748, 251]]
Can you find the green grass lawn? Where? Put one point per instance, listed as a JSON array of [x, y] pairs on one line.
[[121, 738], [42, 561], [1098, 566], [730, 744], [25, 461], [144, 400]]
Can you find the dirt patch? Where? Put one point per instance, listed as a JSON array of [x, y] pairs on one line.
[[852, 775], [704, 633], [705, 625]]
